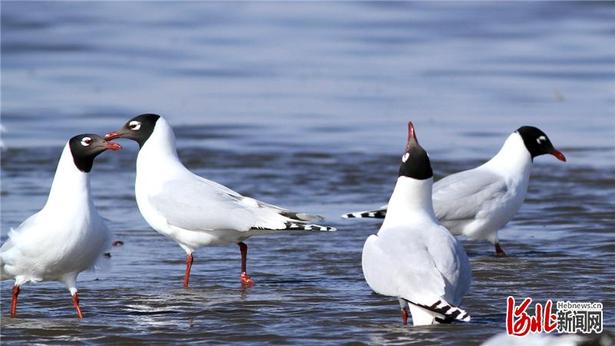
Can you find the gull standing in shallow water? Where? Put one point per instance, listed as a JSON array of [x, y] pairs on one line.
[[413, 257], [480, 201], [192, 210], [67, 236]]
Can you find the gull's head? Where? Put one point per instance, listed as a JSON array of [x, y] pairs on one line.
[[415, 161], [85, 147], [139, 129], [537, 142]]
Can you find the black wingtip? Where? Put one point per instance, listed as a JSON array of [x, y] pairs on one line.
[[449, 312], [297, 226], [293, 226], [373, 214]]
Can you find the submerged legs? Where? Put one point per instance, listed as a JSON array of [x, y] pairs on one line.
[[246, 281], [499, 252], [15, 292], [404, 315], [76, 305], [189, 260], [405, 310]]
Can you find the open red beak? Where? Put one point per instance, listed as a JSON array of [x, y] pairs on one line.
[[112, 135], [559, 155], [113, 146]]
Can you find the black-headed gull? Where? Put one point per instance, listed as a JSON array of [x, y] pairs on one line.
[[67, 236], [192, 210], [480, 201], [413, 257]]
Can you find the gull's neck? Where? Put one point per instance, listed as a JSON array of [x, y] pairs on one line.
[[70, 187], [512, 159], [158, 156], [410, 197]]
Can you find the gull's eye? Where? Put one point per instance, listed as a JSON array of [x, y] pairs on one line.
[[405, 157], [134, 125], [541, 139], [86, 141]]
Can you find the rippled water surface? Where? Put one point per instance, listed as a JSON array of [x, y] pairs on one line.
[[304, 105]]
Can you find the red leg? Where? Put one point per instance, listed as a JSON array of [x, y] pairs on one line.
[[14, 301], [189, 260], [404, 316], [499, 252], [245, 279], [76, 305]]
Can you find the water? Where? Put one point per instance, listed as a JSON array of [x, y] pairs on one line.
[[304, 105]]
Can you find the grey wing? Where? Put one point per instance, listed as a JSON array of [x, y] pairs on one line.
[[451, 260], [407, 270], [290, 214], [463, 196], [401, 269], [197, 204]]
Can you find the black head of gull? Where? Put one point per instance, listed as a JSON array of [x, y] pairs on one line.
[[415, 161], [537, 142], [139, 129], [85, 147]]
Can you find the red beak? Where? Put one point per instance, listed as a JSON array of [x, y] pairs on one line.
[[411, 133], [113, 146], [559, 155], [112, 135]]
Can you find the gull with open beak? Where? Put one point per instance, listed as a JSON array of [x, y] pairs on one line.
[[67, 236], [412, 257], [480, 201]]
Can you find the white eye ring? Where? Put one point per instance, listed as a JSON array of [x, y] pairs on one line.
[[134, 125], [86, 141], [541, 139], [405, 157]]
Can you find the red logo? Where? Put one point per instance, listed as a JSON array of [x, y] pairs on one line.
[[519, 322]]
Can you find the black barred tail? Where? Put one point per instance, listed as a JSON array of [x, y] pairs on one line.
[[447, 311], [293, 226], [373, 214], [296, 226]]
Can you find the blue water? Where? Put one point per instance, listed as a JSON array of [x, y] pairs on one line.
[[304, 105]]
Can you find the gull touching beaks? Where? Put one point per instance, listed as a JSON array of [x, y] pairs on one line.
[[192, 210], [67, 236]]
